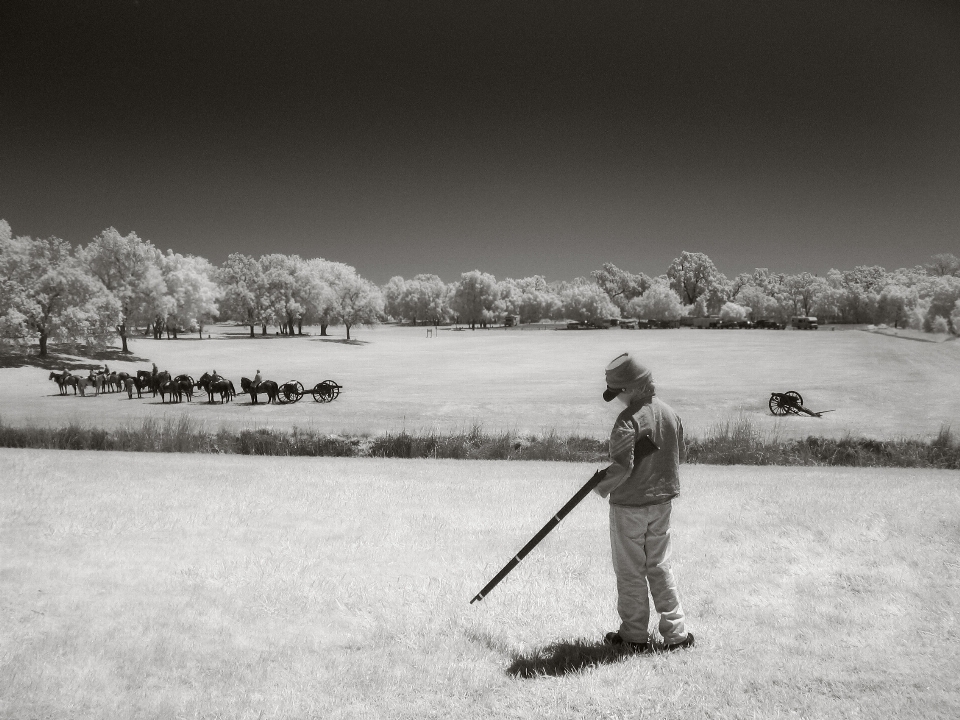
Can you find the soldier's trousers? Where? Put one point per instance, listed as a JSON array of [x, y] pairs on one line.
[[640, 540]]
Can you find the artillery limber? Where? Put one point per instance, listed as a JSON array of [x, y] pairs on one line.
[[326, 391], [791, 403], [290, 392]]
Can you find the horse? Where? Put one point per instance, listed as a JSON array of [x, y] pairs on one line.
[[222, 386], [81, 383], [171, 388], [98, 382], [160, 379], [70, 381], [145, 377], [269, 387], [135, 382], [61, 381], [185, 383]]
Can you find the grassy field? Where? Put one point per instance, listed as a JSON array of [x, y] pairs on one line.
[[163, 586], [532, 381]]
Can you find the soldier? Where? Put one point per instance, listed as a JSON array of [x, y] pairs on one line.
[[646, 447]]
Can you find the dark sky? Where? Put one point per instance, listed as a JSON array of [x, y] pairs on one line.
[[515, 137]]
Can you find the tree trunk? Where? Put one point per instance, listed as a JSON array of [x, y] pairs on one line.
[[43, 344], [122, 332], [348, 330], [291, 328], [251, 331], [323, 329], [263, 330], [300, 326]]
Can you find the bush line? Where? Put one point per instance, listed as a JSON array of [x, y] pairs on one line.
[[735, 442]]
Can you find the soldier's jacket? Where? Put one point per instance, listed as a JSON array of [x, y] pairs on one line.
[[655, 478]]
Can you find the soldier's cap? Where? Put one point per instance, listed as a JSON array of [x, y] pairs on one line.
[[625, 373]]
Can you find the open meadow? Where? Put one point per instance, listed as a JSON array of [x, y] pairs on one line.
[[198, 586], [528, 380]]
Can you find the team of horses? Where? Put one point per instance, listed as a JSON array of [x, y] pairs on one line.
[[172, 389], [98, 382]]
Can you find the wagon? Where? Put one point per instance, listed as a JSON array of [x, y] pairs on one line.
[[290, 392], [325, 391]]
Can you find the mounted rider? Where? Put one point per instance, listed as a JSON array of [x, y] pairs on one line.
[[257, 379]]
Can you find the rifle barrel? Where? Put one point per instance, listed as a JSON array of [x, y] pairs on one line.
[[544, 531]]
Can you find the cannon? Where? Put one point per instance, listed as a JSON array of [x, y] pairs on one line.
[[791, 403]]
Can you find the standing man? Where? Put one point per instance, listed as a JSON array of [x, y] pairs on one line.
[[646, 447]]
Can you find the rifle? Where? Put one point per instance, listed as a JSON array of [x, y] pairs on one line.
[[644, 447], [544, 531]]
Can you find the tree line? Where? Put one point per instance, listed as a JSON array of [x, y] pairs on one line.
[[117, 285], [925, 297]]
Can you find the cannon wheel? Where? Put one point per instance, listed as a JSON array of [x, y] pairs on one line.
[[185, 377], [325, 391], [290, 392], [785, 403]]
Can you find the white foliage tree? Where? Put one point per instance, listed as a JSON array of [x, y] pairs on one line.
[[353, 299], [192, 291], [587, 302], [244, 289], [733, 311], [659, 303], [359, 303], [475, 298], [895, 303], [697, 282], [621, 286], [327, 277], [426, 298], [289, 290], [530, 298], [943, 294], [130, 268], [48, 294], [394, 299]]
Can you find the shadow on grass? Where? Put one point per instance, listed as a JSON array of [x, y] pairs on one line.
[[258, 336], [563, 658], [81, 360], [342, 341]]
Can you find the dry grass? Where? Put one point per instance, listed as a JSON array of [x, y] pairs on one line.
[[732, 442], [149, 586]]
